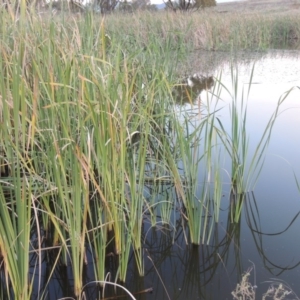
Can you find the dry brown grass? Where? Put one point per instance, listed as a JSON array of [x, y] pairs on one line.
[[211, 29], [244, 290], [277, 290], [256, 6], [252, 24]]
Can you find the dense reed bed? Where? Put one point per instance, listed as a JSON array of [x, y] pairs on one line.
[[93, 145], [210, 29]]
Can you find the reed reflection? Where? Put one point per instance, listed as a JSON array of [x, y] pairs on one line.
[[189, 90], [254, 223], [176, 270]]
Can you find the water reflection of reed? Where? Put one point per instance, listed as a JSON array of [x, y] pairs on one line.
[[254, 223], [184, 269], [189, 89]]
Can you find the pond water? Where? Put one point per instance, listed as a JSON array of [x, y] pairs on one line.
[[267, 237]]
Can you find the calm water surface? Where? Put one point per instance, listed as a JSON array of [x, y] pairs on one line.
[[263, 239]]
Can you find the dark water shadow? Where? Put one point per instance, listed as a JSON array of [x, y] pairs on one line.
[[189, 90], [173, 269]]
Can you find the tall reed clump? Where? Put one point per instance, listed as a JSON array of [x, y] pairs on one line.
[[245, 166], [87, 122], [83, 123], [193, 187], [19, 205]]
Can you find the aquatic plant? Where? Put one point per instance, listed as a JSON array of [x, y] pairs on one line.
[[19, 206], [245, 166], [276, 290], [93, 143], [209, 29]]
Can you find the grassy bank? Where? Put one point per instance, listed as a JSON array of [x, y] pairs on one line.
[[92, 144], [211, 29]]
